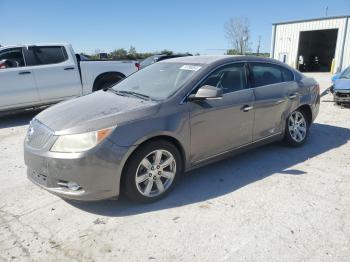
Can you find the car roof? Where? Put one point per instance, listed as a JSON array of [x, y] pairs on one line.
[[209, 59]]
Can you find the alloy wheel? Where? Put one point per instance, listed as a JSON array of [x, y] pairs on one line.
[[155, 173], [297, 126]]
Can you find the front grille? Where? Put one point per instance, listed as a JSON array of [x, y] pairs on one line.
[[38, 134]]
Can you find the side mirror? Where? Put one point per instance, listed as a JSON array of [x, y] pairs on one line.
[[206, 92]]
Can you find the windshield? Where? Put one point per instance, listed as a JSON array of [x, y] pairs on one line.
[[346, 73], [149, 61], [158, 81]]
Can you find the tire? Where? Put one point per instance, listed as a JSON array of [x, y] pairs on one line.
[[296, 134], [107, 81], [144, 174]]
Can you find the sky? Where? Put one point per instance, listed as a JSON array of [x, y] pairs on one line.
[[195, 26]]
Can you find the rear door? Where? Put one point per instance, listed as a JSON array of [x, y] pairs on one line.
[[56, 73], [17, 85], [275, 90], [220, 125]]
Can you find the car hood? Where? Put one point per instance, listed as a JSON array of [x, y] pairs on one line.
[[99, 110], [342, 84]]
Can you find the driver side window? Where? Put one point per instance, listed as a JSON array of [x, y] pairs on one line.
[[229, 78], [12, 58]]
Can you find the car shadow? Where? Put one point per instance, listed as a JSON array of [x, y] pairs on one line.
[[228, 175], [18, 119]]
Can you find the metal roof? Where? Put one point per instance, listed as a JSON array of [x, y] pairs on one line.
[[312, 19]]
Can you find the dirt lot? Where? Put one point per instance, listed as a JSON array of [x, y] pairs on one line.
[[270, 204]]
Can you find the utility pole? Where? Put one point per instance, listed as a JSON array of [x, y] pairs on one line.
[[258, 48], [327, 11]]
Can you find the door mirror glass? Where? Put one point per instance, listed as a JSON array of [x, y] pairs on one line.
[[206, 92]]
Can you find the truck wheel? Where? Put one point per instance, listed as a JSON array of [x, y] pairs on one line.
[[107, 80]]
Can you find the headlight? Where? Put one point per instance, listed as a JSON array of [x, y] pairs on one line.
[[80, 142]]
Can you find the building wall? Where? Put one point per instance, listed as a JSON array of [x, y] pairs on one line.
[[346, 58], [286, 39]]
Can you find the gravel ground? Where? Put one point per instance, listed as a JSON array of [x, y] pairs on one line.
[[269, 204]]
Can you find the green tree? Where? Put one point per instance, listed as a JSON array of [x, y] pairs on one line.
[[132, 54], [167, 52], [120, 53], [232, 52]]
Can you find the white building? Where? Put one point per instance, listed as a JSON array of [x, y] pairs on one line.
[[313, 44]]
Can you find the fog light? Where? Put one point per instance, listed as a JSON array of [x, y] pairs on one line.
[[73, 186]]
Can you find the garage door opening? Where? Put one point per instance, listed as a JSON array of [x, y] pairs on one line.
[[317, 50]]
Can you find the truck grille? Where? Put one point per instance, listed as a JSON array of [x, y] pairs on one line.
[[38, 134]]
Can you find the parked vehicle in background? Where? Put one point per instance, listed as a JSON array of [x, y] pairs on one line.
[[140, 135], [157, 58], [341, 87], [38, 75]]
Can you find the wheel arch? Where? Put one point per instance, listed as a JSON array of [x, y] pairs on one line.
[[163, 137], [105, 75], [307, 111], [306, 108]]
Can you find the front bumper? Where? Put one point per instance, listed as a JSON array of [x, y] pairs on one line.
[[342, 96], [97, 171]]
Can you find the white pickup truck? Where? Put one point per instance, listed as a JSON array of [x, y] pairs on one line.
[[36, 75]]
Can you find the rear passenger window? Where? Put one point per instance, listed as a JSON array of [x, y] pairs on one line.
[[287, 75], [265, 74], [229, 78], [46, 55]]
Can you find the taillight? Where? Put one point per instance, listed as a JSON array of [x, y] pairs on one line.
[[2, 65], [138, 66]]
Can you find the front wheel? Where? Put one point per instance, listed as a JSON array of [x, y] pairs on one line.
[[152, 171], [297, 129]]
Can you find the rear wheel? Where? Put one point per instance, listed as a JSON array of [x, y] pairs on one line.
[[152, 171], [297, 128], [107, 81]]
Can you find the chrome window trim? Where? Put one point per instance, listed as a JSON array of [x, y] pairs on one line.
[[294, 78], [183, 100]]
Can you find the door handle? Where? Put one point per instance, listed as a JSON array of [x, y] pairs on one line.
[[247, 108], [292, 96], [24, 73], [69, 68]]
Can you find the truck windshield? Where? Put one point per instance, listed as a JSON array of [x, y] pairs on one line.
[[158, 81]]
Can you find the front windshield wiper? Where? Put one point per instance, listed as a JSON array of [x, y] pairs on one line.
[[142, 96], [114, 91], [344, 77]]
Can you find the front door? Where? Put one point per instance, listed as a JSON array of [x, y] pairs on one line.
[[222, 124], [17, 84], [56, 73]]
